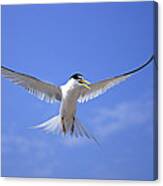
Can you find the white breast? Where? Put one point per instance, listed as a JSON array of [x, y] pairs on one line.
[[70, 95]]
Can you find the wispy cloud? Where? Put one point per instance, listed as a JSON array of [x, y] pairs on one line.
[[32, 148], [122, 115]]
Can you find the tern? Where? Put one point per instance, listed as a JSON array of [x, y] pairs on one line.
[[77, 89]]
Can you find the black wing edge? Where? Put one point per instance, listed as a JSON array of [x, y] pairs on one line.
[[139, 68], [8, 69], [12, 71]]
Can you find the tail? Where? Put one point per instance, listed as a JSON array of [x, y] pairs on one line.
[[54, 125], [81, 131]]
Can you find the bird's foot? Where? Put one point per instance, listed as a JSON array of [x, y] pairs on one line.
[[63, 126], [72, 129], [64, 129]]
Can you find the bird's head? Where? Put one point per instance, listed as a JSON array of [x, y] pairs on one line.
[[79, 79]]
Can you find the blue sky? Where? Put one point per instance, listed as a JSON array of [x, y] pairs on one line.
[[99, 40]]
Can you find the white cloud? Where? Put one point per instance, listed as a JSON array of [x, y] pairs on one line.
[[110, 120]]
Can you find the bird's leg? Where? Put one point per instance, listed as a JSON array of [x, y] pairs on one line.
[[63, 125], [72, 127]]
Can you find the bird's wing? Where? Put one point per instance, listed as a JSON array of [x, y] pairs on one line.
[[100, 87], [42, 90]]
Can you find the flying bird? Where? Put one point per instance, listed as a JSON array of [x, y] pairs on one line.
[[77, 89]]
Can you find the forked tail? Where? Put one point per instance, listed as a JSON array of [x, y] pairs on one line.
[[54, 125]]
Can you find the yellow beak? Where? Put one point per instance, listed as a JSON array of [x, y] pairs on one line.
[[85, 83]]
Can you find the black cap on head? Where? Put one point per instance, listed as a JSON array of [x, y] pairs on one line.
[[77, 76]]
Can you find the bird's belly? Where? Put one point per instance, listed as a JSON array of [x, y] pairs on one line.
[[68, 108], [67, 113], [68, 105]]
